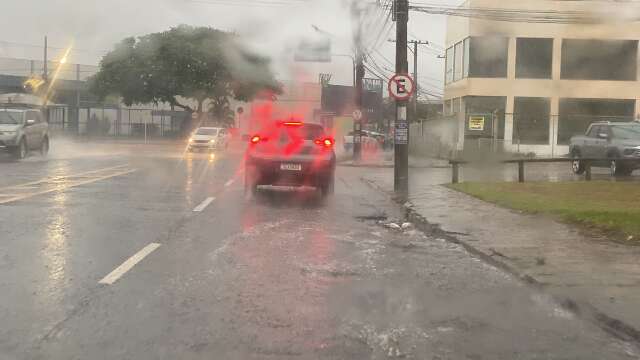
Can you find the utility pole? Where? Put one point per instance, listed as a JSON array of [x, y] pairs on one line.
[[45, 67], [401, 156], [359, 76]]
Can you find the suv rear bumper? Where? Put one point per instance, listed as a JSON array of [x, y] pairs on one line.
[[268, 172]]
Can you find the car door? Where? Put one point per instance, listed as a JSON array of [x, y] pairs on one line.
[[31, 130], [601, 142], [588, 149]]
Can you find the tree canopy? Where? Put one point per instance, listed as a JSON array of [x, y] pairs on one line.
[[185, 62]]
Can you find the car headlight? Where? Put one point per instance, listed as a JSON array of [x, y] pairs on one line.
[[190, 140], [213, 141]]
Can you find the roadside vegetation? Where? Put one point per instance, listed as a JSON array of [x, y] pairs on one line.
[[602, 205]]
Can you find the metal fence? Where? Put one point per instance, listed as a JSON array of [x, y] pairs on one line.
[[436, 138], [117, 122]]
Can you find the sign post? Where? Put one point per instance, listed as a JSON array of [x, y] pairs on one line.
[[401, 88]]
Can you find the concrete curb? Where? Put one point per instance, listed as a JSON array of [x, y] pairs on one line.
[[579, 308]]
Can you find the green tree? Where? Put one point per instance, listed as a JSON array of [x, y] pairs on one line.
[[197, 63]]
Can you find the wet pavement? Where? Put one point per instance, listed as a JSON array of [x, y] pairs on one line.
[[594, 274], [124, 251]]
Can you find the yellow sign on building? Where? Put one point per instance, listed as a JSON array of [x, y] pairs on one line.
[[476, 123]]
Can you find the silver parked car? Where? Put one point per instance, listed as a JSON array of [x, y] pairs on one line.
[[23, 129]]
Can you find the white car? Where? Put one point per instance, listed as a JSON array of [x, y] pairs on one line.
[[209, 138], [368, 141]]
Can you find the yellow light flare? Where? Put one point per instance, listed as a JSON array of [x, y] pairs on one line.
[[54, 78]]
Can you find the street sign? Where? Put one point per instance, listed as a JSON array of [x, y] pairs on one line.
[[357, 115], [401, 87]]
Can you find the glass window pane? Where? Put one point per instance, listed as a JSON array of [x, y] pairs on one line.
[[533, 58], [458, 62], [449, 66], [488, 57], [465, 67], [531, 120]]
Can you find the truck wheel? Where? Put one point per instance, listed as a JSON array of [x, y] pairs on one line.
[[617, 168], [577, 166], [20, 151], [44, 146]]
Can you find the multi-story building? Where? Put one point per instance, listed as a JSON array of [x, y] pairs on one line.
[[531, 86]]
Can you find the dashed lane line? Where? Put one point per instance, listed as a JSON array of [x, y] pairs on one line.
[[204, 204], [118, 272]]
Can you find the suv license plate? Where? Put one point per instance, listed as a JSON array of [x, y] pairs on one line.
[[291, 167]]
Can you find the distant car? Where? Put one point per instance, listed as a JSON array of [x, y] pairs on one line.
[[367, 140], [209, 138], [291, 153], [23, 130], [615, 145]]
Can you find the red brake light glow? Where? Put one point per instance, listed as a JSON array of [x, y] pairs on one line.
[[293, 123], [326, 142], [255, 139]]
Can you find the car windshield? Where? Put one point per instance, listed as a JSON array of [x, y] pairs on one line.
[[8, 117], [207, 131], [626, 132]]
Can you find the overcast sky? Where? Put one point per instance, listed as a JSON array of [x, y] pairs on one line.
[[95, 25]]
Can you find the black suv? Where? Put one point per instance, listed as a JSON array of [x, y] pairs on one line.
[[291, 153]]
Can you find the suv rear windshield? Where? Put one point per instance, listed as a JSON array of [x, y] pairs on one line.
[[10, 117], [312, 131]]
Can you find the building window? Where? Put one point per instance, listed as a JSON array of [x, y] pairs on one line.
[[599, 59], [534, 58], [458, 61], [575, 115], [456, 105], [448, 76], [447, 108], [492, 109], [531, 120], [465, 61], [488, 57]]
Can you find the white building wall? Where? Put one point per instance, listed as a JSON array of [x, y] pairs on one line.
[[458, 28]]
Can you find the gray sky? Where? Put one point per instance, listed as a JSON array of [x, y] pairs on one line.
[[95, 25]]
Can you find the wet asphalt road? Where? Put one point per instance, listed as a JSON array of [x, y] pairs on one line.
[[280, 276]]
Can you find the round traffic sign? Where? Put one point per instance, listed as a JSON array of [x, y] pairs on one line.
[[401, 87], [357, 115]]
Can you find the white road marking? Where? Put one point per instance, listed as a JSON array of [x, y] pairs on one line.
[[229, 183], [204, 204], [127, 265], [64, 187]]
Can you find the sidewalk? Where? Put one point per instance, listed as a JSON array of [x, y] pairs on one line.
[[385, 160], [592, 276]]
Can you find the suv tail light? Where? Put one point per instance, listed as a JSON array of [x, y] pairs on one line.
[[326, 142], [257, 138]]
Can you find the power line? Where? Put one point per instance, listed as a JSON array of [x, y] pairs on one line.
[[517, 15], [249, 3]]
